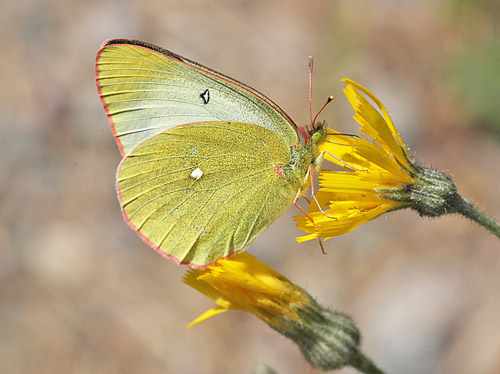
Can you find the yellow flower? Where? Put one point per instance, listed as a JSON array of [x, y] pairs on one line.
[[378, 163], [247, 284], [327, 339], [380, 176]]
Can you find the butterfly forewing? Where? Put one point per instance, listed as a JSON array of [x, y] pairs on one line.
[[147, 90]]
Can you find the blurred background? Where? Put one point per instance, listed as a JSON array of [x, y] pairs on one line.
[[81, 293]]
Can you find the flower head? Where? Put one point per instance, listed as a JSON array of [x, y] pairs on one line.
[[327, 339], [381, 175]]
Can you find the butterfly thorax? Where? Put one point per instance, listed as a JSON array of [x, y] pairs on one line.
[[304, 155]]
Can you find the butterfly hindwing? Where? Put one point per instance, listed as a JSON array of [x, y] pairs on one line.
[[201, 191]]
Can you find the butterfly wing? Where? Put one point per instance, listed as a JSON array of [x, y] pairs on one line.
[[146, 90], [201, 191]]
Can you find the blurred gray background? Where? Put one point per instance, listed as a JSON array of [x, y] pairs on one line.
[[81, 293]]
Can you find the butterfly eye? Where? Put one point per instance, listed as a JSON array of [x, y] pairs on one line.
[[316, 137]]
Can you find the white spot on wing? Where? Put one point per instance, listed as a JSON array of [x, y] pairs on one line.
[[196, 174]]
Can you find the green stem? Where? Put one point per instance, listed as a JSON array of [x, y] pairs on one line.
[[365, 365], [467, 209]]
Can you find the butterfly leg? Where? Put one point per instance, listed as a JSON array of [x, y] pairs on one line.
[[342, 161], [313, 194], [309, 217]]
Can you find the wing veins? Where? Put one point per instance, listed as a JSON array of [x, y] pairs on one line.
[[214, 77], [181, 189], [258, 215], [238, 213], [235, 195]]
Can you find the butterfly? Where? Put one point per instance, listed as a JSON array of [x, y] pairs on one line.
[[208, 162]]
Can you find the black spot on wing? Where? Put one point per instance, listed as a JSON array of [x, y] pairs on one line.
[[205, 96]]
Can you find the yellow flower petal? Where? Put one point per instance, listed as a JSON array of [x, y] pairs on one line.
[[244, 283], [384, 160], [346, 217], [209, 313], [373, 124], [387, 117], [347, 183]]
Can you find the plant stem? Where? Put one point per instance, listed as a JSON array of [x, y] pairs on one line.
[[365, 365], [467, 209]]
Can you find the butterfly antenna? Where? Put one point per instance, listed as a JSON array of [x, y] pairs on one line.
[[328, 101], [310, 63]]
